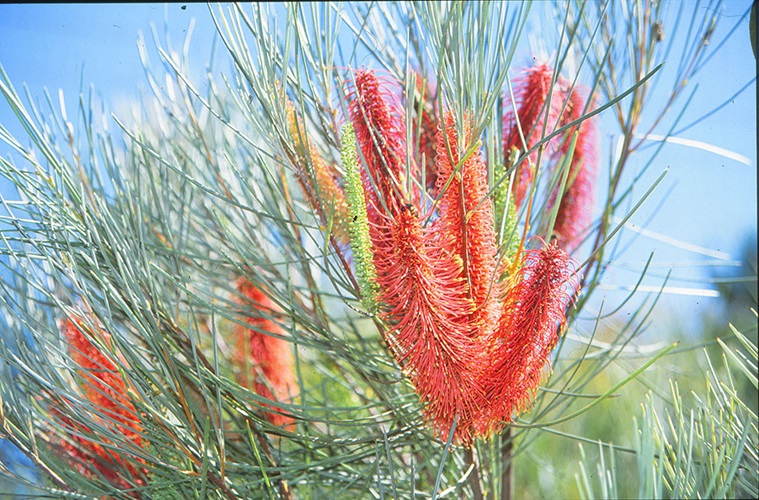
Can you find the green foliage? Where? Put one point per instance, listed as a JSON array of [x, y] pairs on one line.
[[707, 448]]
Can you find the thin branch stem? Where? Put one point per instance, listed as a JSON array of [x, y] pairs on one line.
[[507, 462]]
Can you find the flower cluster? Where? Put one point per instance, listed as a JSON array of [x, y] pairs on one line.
[[471, 323], [469, 313]]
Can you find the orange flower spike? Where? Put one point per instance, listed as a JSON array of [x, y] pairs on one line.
[[573, 215], [424, 295], [318, 180], [266, 362], [533, 317], [380, 128], [105, 388], [531, 96], [466, 218]]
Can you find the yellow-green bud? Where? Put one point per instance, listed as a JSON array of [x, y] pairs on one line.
[[358, 222]]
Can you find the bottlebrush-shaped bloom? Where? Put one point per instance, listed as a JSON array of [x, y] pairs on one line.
[[380, 128], [532, 97], [318, 180], [573, 215], [427, 311], [265, 362], [104, 387], [532, 318], [466, 220]]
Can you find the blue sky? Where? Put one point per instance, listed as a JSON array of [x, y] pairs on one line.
[[706, 204]]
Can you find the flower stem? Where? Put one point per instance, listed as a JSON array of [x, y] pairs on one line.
[[507, 461]]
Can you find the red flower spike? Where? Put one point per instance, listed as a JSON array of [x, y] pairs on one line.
[[104, 387], [426, 301], [380, 128], [266, 361], [533, 317], [466, 221], [531, 95], [573, 215]]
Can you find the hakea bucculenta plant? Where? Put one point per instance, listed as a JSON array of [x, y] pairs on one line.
[[264, 359], [103, 386], [472, 328]]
